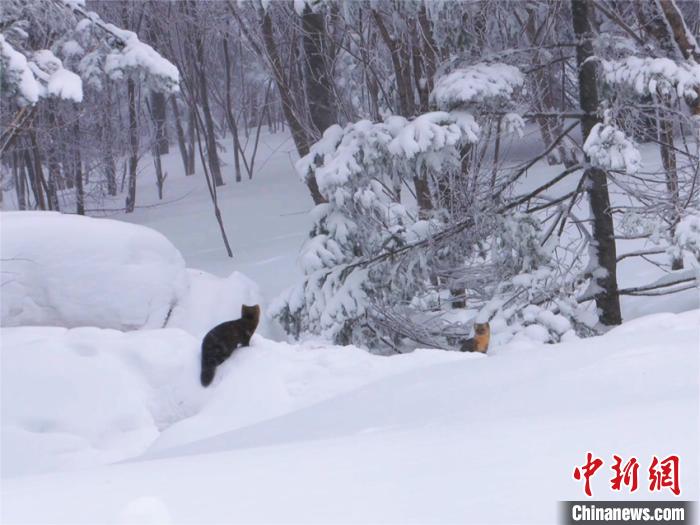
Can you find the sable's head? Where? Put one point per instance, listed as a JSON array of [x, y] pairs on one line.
[[251, 313], [481, 328]]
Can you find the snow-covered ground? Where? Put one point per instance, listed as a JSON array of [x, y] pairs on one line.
[[297, 434]]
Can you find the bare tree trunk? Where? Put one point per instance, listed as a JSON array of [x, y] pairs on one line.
[[159, 119], [160, 177], [607, 299], [233, 126], [50, 188], [191, 142], [301, 141], [78, 167], [110, 164], [668, 159], [19, 177], [257, 132], [401, 63], [210, 135], [134, 147], [35, 169], [211, 187], [319, 84], [52, 158], [180, 136]]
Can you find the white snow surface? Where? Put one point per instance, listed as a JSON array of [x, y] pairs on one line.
[[68, 270], [85, 396], [304, 434]]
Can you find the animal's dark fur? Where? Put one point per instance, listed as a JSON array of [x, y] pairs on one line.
[[223, 339], [480, 341]]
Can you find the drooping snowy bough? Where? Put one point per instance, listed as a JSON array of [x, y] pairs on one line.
[[96, 50], [384, 269], [30, 74]]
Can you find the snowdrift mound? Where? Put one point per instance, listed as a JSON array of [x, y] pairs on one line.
[[87, 396], [643, 371], [72, 271], [80, 397], [69, 270], [212, 300], [270, 378]]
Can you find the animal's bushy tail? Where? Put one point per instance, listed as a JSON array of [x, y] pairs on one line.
[[207, 375]]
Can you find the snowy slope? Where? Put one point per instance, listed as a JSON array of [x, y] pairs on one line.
[[477, 439], [115, 392]]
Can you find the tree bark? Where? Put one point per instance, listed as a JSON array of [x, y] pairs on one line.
[[210, 134], [233, 126], [299, 136], [401, 62], [180, 135], [605, 256], [134, 146], [35, 169], [319, 84], [159, 119], [191, 141], [19, 176], [78, 166], [110, 164]]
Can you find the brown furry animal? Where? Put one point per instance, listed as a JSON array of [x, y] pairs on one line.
[[223, 339], [480, 341]]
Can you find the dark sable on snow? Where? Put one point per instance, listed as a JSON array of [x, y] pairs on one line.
[[480, 341], [223, 339]]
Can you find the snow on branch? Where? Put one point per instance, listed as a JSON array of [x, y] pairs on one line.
[[43, 75], [130, 53], [687, 234], [57, 81], [345, 153], [432, 132], [17, 76], [651, 76], [610, 149], [477, 84]]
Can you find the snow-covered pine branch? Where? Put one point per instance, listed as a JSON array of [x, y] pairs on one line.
[[29, 75], [609, 148], [128, 53], [654, 76], [476, 85]]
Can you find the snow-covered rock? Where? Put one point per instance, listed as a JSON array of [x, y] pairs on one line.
[[68, 270]]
